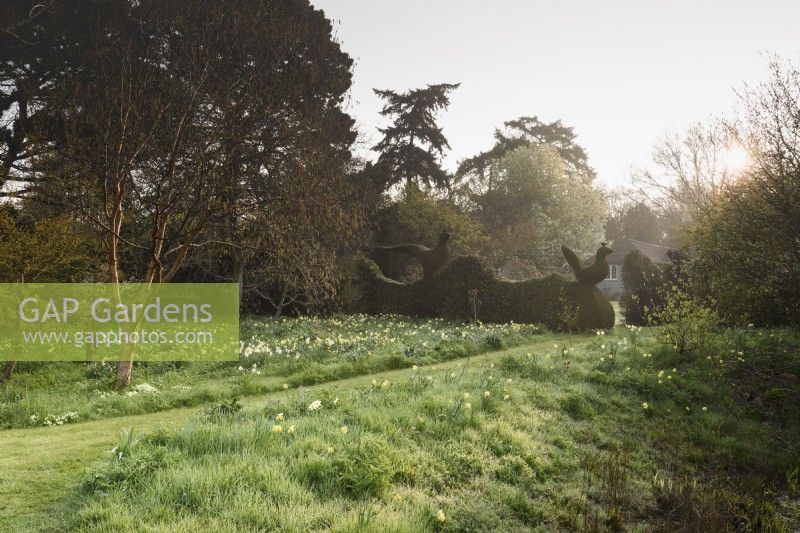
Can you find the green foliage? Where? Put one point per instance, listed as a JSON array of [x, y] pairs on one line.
[[532, 206], [47, 250], [563, 442], [685, 322], [743, 260], [223, 409], [258, 190], [553, 301], [419, 217], [530, 131], [579, 408], [746, 251], [635, 221], [412, 145], [424, 451], [646, 288]]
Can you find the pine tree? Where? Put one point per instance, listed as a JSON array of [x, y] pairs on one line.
[[412, 146]]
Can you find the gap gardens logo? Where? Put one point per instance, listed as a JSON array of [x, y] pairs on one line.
[[84, 322]]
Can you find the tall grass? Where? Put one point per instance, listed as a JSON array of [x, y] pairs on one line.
[[565, 438]]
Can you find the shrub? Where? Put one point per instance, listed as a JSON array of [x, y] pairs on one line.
[[645, 286], [685, 322]]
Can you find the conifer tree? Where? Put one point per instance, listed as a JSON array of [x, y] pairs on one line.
[[412, 146]]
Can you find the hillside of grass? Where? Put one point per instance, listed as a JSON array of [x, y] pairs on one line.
[[612, 432]]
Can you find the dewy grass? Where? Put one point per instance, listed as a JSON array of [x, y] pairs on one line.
[[292, 352], [568, 433], [560, 439]]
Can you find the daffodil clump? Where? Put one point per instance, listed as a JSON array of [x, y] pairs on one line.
[[354, 336]]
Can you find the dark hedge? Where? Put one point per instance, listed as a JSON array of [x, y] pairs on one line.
[[646, 288], [554, 301]]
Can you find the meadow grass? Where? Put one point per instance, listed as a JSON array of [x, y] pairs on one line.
[[611, 432], [275, 353], [40, 466]]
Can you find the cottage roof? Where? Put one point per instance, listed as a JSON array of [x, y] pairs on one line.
[[656, 253]]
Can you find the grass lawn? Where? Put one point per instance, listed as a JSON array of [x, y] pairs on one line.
[[39, 466], [293, 352], [592, 433]]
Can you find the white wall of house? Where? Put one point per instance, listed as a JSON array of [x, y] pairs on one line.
[[612, 286]]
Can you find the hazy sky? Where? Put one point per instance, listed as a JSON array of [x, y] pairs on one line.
[[620, 72]]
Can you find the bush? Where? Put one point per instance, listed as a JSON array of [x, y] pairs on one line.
[[686, 323], [747, 266], [553, 301], [418, 217], [645, 288]]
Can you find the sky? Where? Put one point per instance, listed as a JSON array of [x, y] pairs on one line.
[[621, 73]]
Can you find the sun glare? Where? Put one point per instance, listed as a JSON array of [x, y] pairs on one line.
[[735, 159]]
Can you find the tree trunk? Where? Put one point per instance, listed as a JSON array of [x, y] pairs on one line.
[[154, 271], [281, 302], [238, 273], [8, 370], [123, 367]]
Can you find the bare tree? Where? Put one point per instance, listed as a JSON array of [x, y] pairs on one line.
[[689, 171], [769, 129]]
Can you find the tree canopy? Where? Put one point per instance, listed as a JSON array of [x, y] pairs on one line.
[[165, 128], [522, 132], [535, 206], [413, 144]]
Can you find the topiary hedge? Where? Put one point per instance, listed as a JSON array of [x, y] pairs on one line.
[[554, 301]]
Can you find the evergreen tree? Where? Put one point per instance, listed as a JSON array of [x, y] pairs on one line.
[[526, 131], [412, 146]]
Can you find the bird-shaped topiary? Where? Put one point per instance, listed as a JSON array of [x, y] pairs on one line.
[[594, 273], [431, 259]]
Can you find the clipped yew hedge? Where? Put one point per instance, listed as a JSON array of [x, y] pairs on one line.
[[554, 300]]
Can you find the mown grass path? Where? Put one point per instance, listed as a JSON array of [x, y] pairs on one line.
[[40, 467]]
